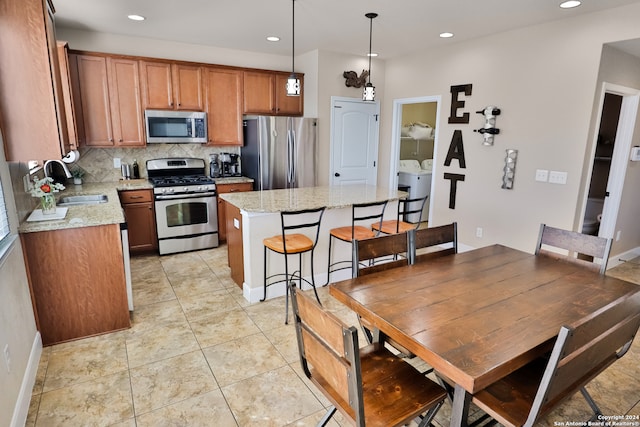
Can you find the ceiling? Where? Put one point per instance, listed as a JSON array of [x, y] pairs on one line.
[[402, 27]]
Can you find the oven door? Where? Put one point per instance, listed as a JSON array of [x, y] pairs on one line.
[[189, 221]]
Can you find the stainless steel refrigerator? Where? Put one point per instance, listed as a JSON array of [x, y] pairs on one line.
[[279, 152]]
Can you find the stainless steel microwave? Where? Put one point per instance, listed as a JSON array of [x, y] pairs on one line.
[[164, 126]]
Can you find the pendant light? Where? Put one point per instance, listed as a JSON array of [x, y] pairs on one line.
[[293, 82], [369, 93]]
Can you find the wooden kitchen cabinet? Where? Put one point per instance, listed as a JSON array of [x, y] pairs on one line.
[[77, 282], [224, 106], [168, 86], [31, 96], [141, 220], [110, 101], [265, 93], [234, 243], [228, 188]]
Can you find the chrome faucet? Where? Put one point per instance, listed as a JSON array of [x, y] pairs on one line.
[[64, 167]]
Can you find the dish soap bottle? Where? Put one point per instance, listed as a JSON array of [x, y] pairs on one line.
[[136, 170]]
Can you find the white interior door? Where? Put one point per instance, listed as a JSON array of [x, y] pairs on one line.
[[354, 141]]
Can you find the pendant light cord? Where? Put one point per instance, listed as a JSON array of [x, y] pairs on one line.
[[370, 38], [293, 36]]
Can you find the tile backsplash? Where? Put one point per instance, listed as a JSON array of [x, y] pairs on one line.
[[98, 162]]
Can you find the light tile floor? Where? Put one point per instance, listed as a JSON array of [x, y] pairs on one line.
[[198, 354]]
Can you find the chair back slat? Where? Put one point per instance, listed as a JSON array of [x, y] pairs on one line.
[[409, 207], [325, 343], [361, 212], [574, 243], [585, 349], [373, 249], [308, 219], [434, 236]]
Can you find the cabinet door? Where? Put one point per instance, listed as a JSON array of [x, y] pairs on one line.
[[224, 106], [141, 223], [227, 188], [258, 92], [65, 74], [157, 87], [187, 81], [126, 107], [94, 94], [288, 105]]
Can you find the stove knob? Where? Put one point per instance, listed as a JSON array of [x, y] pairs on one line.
[[169, 190], [185, 189]]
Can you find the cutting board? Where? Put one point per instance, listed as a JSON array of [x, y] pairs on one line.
[[37, 215]]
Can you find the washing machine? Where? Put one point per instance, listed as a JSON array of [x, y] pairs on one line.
[[419, 182]]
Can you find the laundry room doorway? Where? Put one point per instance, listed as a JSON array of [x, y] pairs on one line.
[[413, 147]]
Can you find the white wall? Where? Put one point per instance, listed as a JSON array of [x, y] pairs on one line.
[[544, 80]]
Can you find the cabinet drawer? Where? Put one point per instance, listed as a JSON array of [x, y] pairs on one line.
[[136, 196], [234, 188]]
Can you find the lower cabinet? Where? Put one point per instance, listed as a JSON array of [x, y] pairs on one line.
[[234, 243], [77, 282], [228, 188], [141, 220]]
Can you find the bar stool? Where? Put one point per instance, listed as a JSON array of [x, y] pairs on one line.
[[403, 223], [359, 212], [289, 243]]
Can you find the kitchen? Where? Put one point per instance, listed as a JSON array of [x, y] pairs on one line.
[[332, 64]]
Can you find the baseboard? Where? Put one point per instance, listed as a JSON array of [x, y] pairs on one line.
[[623, 257], [21, 410]]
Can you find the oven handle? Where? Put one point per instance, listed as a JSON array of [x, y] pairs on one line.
[[184, 196]]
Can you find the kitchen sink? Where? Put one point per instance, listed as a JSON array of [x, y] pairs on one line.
[[89, 199]]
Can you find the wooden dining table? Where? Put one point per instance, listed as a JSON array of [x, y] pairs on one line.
[[479, 315]]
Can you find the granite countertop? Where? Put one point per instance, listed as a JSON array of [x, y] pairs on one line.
[[310, 197], [233, 180], [89, 215]]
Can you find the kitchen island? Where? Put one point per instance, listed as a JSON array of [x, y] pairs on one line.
[[253, 216]]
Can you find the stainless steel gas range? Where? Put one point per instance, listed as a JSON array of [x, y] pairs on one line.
[[185, 204]]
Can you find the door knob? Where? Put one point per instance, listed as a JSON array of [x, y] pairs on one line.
[[336, 174]]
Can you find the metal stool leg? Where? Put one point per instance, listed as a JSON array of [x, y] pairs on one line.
[[313, 280], [286, 284], [329, 261], [264, 276]]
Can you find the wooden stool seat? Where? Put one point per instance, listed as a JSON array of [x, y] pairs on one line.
[[390, 226], [295, 243], [359, 233]]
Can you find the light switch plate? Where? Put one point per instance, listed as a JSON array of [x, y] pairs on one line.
[[557, 177], [542, 175], [116, 162]]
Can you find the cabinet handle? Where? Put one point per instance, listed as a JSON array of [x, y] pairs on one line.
[[135, 197]]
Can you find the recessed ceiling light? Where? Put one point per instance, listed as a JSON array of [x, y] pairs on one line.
[[136, 17], [273, 38], [446, 35], [570, 4]]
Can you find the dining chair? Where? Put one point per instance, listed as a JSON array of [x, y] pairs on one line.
[[369, 385], [409, 217], [291, 242], [379, 254], [581, 352], [577, 245], [440, 241], [360, 212]]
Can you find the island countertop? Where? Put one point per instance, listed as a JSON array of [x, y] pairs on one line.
[[293, 199]]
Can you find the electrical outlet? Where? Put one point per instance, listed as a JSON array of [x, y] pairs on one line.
[[542, 175], [618, 235], [556, 177], [26, 181], [479, 232], [7, 357], [116, 163]]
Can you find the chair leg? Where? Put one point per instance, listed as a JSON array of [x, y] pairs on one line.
[[327, 416], [313, 280], [430, 414], [329, 261], [264, 276], [286, 290], [592, 404]]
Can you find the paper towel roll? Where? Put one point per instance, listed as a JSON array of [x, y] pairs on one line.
[[71, 157]]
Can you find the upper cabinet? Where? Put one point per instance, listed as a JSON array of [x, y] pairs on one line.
[[31, 84], [111, 108], [224, 106], [168, 86], [265, 93]]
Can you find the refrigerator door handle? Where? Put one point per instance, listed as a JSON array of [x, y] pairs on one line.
[[292, 156]]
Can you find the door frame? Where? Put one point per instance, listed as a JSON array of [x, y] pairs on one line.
[[396, 130], [620, 157]]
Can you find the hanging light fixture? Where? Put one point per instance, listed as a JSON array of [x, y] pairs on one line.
[[293, 82], [369, 93]]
